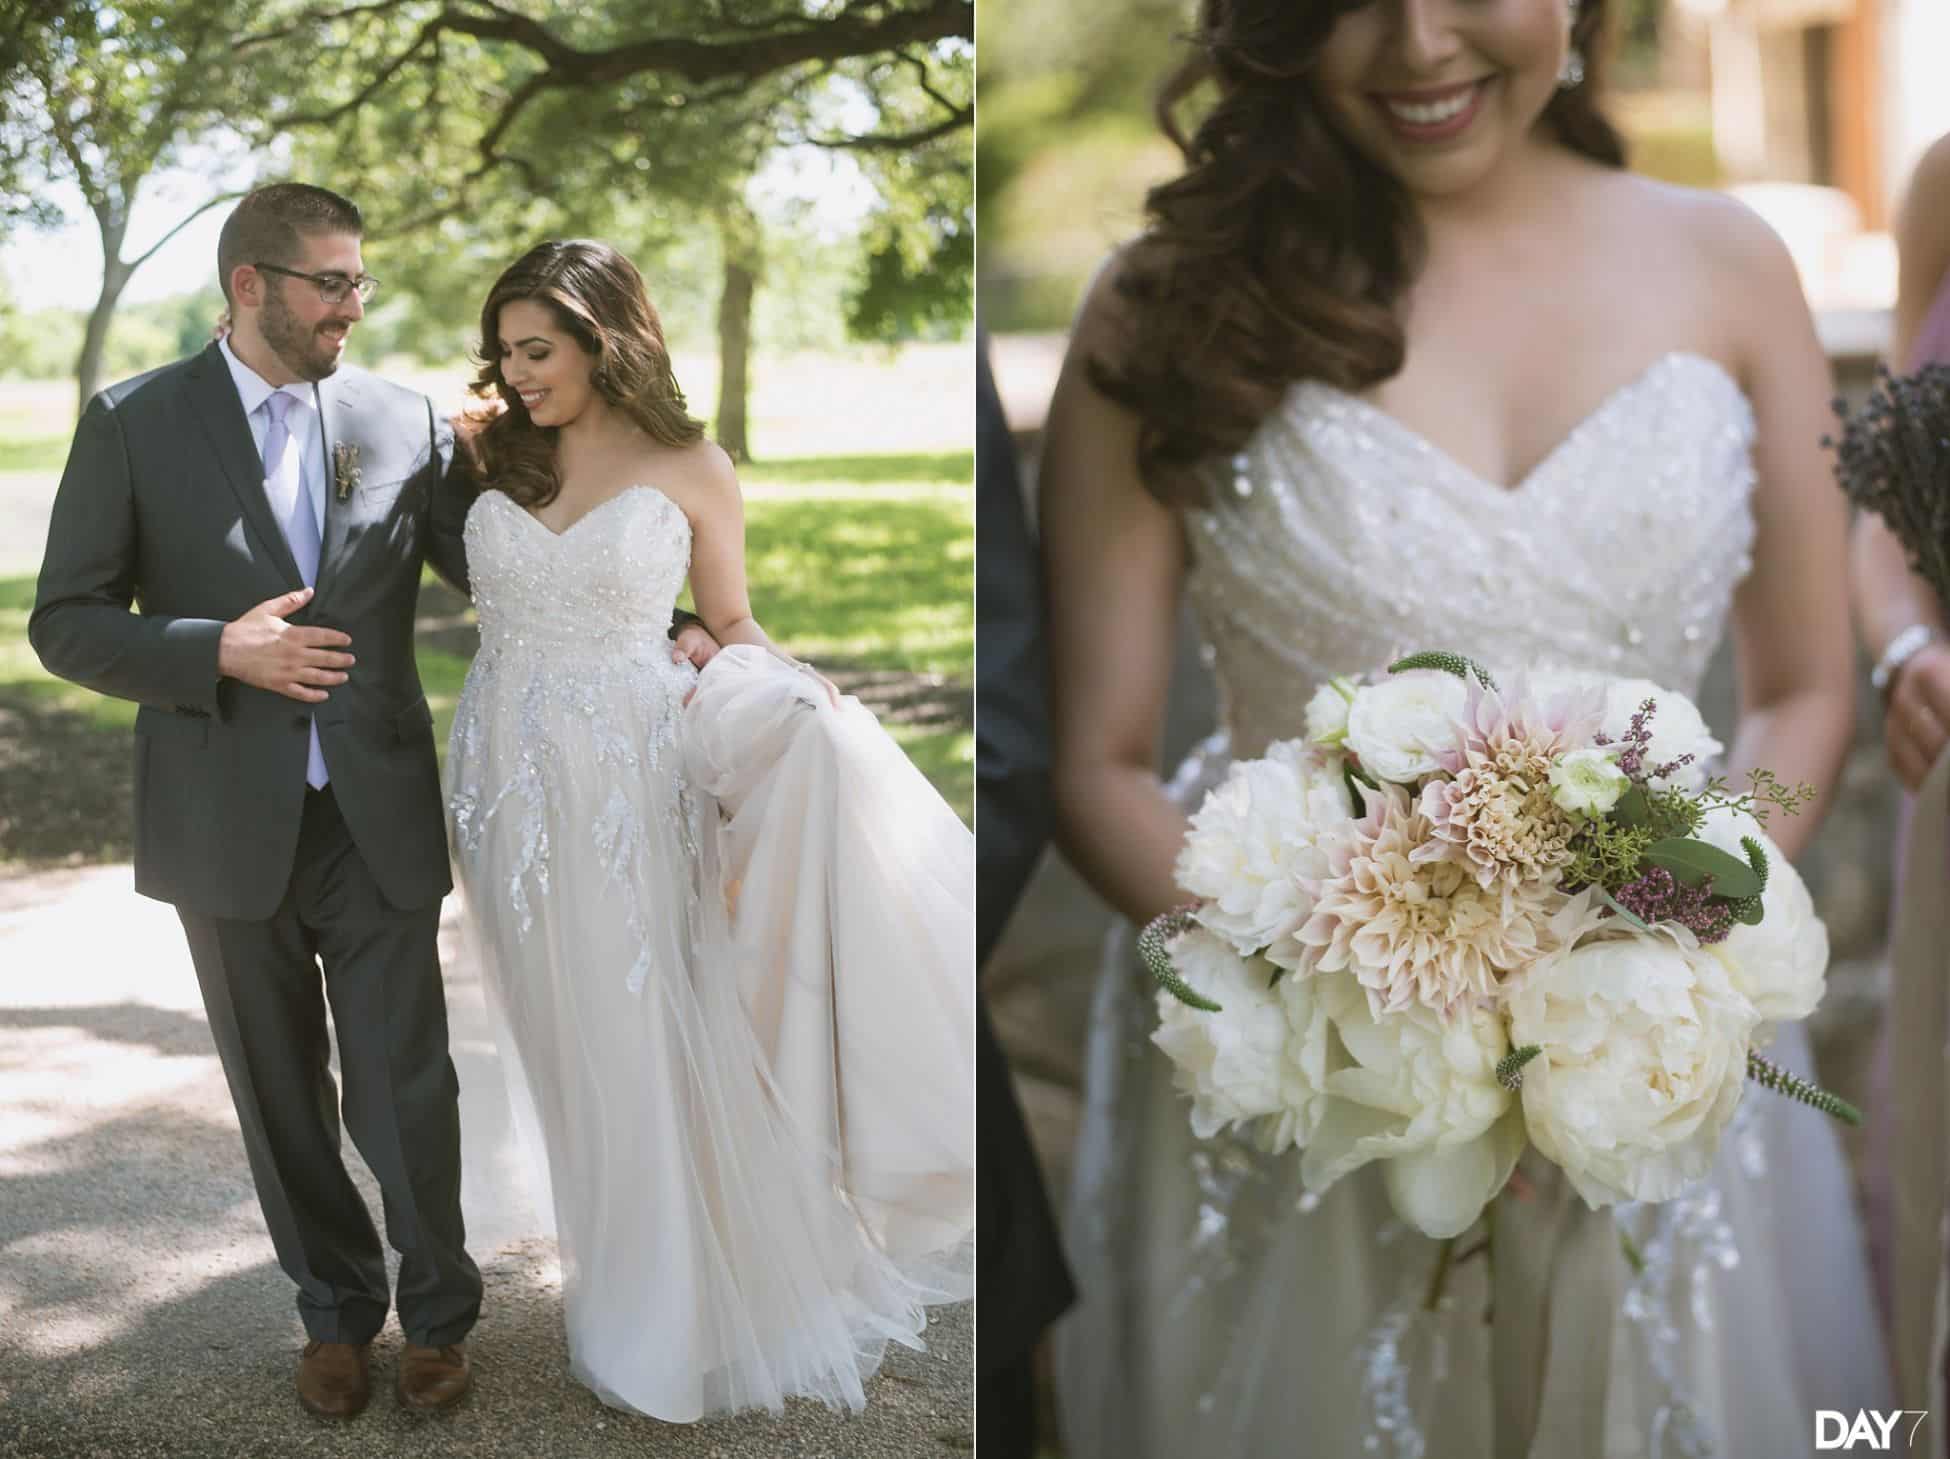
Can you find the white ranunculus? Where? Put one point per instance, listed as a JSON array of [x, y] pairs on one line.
[[1677, 730], [1420, 1094], [1399, 726], [1588, 781], [1327, 711], [1781, 966], [1257, 837], [1645, 1043], [1262, 1058]]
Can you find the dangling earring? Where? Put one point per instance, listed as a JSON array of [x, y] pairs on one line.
[[1570, 75]]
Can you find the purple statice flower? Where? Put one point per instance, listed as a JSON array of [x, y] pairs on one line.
[[1659, 896]]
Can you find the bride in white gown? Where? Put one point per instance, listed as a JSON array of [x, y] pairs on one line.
[[697, 926], [1405, 224]]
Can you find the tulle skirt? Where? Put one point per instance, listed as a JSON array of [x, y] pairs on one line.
[[671, 1084]]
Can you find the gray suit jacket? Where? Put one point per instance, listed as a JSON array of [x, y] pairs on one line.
[[162, 509]]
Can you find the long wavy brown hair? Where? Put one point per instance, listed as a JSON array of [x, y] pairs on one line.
[[1281, 252], [598, 298]]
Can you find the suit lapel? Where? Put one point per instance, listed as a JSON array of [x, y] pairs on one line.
[[213, 398], [338, 399]]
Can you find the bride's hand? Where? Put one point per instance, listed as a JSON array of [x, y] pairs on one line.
[[1916, 719], [693, 645], [832, 689]]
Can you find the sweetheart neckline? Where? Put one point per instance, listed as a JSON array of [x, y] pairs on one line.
[[607, 501], [1577, 432]]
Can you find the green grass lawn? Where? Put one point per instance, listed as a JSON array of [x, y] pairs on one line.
[[863, 565]]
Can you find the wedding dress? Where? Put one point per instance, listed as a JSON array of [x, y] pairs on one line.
[[1226, 1312], [728, 981]]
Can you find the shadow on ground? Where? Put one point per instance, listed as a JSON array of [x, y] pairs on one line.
[[142, 1312], [66, 784]]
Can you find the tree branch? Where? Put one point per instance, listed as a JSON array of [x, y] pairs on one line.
[[748, 56], [180, 226], [958, 118]]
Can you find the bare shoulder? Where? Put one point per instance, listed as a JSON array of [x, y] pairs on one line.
[[1730, 239], [1749, 282], [1931, 179], [699, 477], [1925, 221]]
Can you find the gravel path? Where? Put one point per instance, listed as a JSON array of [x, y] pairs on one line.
[[141, 1310]]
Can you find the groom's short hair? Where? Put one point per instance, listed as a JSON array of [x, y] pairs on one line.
[[266, 226]]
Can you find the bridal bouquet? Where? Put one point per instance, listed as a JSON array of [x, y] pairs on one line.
[[1458, 918]]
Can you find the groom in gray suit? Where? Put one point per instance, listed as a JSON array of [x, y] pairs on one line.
[[269, 513]]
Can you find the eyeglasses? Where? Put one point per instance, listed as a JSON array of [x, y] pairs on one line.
[[332, 288]]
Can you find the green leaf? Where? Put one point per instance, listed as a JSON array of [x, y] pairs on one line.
[[1633, 809], [1692, 862], [1630, 918], [1748, 910]]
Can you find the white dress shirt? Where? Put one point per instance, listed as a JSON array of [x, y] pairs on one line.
[[302, 420]]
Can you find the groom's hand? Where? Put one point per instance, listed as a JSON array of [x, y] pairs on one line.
[[300, 663]]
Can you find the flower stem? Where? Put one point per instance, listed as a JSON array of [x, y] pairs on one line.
[[1439, 1279], [1772, 1076]]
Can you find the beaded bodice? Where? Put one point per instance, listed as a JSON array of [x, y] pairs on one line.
[[609, 580], [1339, 539]]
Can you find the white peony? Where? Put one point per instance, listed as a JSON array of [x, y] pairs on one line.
[[1256, 839], [1327, 711], [1677, 730], [1781, 966], [1400, 726], [1588, 781], [1421, 1094], [1644, 1059], [1262, 1057]]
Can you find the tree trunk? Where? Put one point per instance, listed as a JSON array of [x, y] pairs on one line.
[[115, 278], [742, 262]]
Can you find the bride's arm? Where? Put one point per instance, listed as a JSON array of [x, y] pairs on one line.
[[1112, 557], [1792, 647], [717, 514]]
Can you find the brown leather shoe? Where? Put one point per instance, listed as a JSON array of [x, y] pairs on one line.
[[332, 1379], [431, 1378]]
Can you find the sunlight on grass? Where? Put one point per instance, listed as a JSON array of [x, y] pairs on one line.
[[856, 563], [956, 468]]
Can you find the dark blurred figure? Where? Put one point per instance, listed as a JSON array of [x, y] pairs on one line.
[[1022, 1284]]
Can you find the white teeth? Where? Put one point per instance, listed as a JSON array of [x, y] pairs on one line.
[[1433, 114]]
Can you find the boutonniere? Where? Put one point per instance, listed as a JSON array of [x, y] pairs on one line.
[[345, 469]]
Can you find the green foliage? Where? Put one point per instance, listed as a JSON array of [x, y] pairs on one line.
[[478, 146], [1694, 863], [1606, 854], [1154, 953], [1509, 1069], [1764, 792], [1772, 1076], [41, 345], [1609, 851], [1448, 663]]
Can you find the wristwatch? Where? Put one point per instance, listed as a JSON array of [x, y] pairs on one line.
[[1902, 648]]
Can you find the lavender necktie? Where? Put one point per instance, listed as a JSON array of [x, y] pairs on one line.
[[284, 485]]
